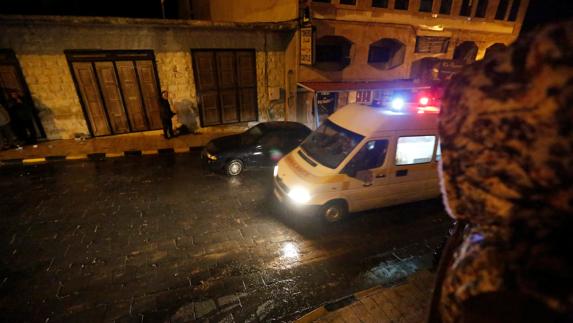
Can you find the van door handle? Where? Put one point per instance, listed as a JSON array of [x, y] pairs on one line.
[[401, 172], [380, 175]]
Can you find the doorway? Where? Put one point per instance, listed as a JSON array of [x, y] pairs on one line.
[[119, 90], [12, 79]]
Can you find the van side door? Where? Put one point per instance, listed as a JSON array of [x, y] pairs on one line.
[[365, 171], [413, 174]]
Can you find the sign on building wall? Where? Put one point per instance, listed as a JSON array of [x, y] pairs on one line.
[[363, 96], [306, 46]]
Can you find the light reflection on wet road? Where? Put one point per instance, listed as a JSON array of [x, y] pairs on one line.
[[152, 238]]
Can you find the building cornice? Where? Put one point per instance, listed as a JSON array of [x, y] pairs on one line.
[[145, 22]]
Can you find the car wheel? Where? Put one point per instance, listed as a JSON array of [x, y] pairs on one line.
[[234, 167], [334, 211]]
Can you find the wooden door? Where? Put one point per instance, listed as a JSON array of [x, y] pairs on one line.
[[247, 84], [131, 95], [112, 97], [88, 88], [206, 80], [226, 73], [226, 86], [149, 91], [9, 80]]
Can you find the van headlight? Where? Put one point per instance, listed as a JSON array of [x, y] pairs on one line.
[[276, 171], [299, 195], [211, 157]]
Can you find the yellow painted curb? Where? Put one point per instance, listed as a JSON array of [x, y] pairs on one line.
[[367, 292], [181, 150], [33, 160], [76, 157]]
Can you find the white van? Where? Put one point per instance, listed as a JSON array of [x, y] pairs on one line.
[[361, 158]]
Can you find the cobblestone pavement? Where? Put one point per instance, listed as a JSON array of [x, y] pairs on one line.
[[158, 239]]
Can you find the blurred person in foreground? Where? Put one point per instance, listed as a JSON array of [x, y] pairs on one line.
[[506, 129]]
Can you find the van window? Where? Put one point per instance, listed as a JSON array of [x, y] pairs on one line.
[[415, 150], [330, 144], [370, 156]]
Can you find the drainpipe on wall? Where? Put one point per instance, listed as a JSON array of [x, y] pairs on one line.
[[315, 107], [162, 9], [267, 76]]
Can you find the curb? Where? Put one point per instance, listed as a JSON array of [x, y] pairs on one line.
[[337, 304], [99, 156]]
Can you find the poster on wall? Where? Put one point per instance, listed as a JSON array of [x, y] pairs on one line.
[[306, 46]]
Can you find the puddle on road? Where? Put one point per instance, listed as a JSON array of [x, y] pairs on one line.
[[289, 252]]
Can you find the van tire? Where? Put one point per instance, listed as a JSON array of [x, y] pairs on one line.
[[234, 167], [334, 211]]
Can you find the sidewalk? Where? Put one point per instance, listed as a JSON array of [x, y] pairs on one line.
[[143, 143], [406, 302]]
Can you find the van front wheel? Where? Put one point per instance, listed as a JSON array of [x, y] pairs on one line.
[[334, 211]]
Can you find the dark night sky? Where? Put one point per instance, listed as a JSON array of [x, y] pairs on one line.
[[544, 11], [540, 11]]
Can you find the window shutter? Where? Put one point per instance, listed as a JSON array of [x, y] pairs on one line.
[[246, 70], [131, 95], [210, 109], [206, 80], [94, 107], [205, 67], [149, 91], [111, 96], [226, 85]]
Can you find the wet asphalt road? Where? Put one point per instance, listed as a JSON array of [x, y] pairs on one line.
[[159, 238]]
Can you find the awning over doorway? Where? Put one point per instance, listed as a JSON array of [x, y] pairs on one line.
[[357, 86]]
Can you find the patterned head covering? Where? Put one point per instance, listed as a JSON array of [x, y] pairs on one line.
[[506, 129]]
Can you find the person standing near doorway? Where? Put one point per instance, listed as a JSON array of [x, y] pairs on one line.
[[6, 130], [22, 114], [166, 114]]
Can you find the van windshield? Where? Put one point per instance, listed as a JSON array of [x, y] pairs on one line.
[[330, 144]]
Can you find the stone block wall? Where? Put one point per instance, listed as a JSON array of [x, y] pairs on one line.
[[50, 83], [270, 79], [175, 74], [40, 46]]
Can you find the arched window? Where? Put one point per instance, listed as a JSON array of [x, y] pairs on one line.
[[466, 52], [332, 53], [497, 47], [386, 53]]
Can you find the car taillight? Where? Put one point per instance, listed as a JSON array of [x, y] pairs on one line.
[[424, 100]]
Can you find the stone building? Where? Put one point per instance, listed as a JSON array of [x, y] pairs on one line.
[[230, 64], [360, 44], [102, 76]]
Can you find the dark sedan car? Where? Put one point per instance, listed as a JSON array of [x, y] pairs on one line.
[[260, 146]]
